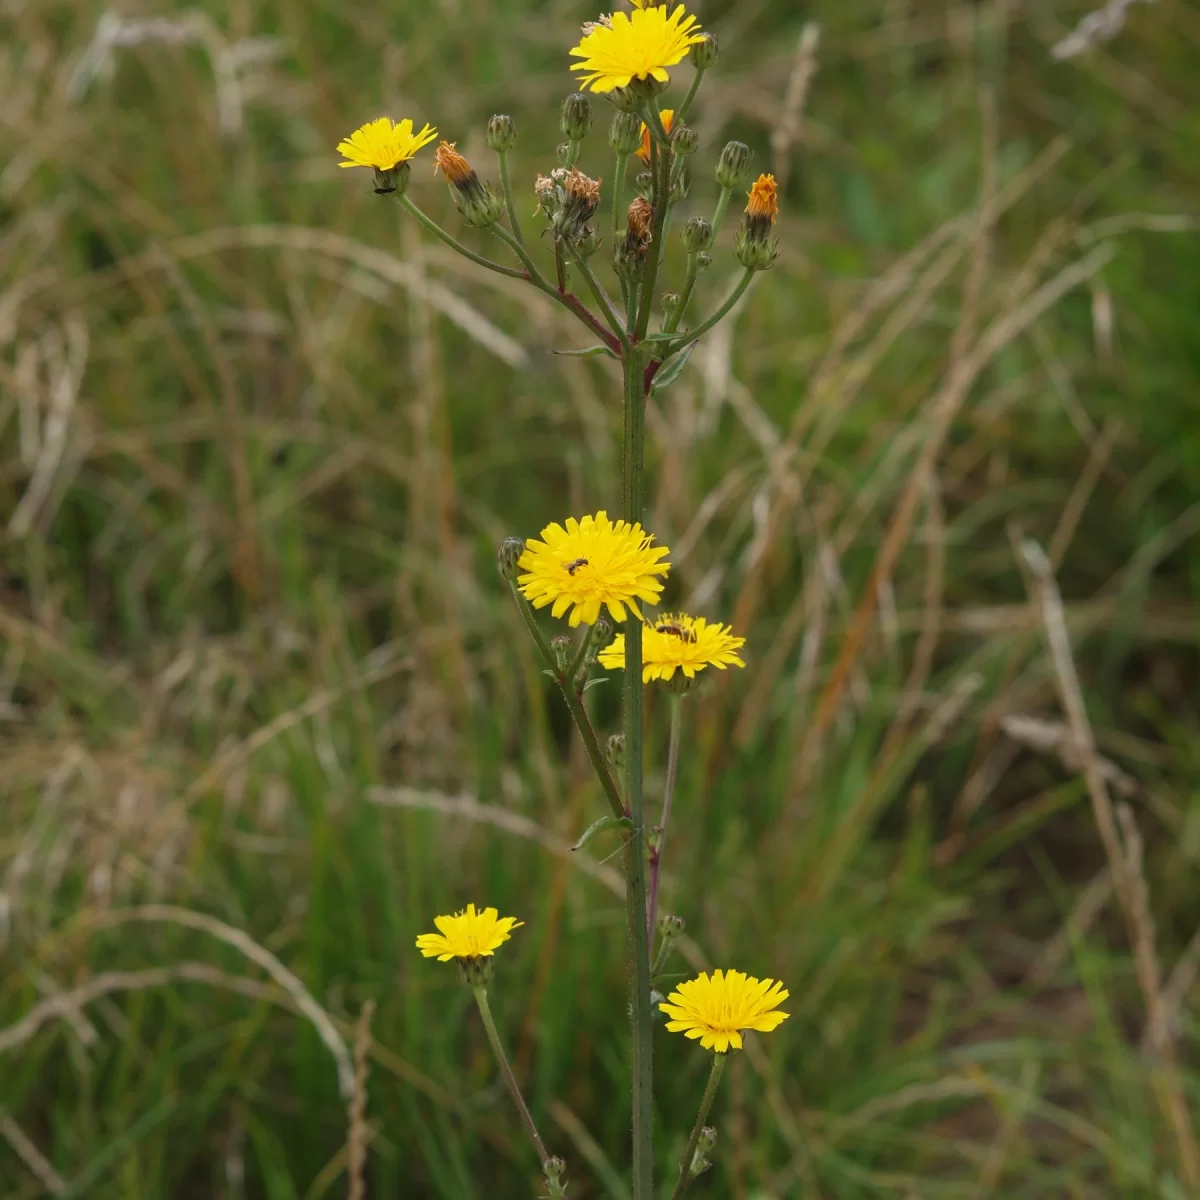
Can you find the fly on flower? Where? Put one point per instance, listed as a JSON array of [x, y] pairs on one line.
[[676, 641], [592, 564]]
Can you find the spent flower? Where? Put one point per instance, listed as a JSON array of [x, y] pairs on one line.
[[473, 198], [677, 642], [718, 1009], [592, 564], [640, 45]]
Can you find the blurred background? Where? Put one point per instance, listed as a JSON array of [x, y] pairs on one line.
[[266, 710]]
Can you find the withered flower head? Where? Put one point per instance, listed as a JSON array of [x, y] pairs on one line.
[[569, 198], [474, 199], [639, 219], [629, 254]]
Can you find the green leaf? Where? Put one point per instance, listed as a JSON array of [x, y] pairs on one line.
[[591, 683], [586, 352], [669, 373], [603, 823]]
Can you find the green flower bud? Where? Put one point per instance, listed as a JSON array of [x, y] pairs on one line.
[[733, 164], [560, 647], [681, 186], [614, 751], [562, 153], [644, 182], [670, 925], [552, 1169], [697, 235], [603, 633], [708, 1138], [507, 554], [704, 53], [670, 302], [576, 117], [703, 261], [395, 179], [684, 140], [625, 133], [475, 972], [704, 1146], [501, 133]]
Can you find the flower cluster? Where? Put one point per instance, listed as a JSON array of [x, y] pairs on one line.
[[605, 577]]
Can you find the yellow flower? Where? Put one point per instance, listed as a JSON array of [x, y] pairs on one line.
[[467, 934], [383, 145], [591, 564], [636, 45], [668, 119], [763, 204], [717, 1010], [677, 640]]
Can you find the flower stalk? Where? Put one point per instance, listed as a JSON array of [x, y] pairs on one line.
[[656, 853], [686, 1174]]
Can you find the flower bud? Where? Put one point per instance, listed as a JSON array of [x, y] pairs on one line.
[[507, 554], [552, 1169], [708, 1138], [644, 182], [475, 972], [685, 140], [603, 633], [562, 153], [576, 116], [697, 235], [475, 200], [614, 751], [625, 133], [560, 647], [733, 164], [755, 248], [681, 186], [703, 261], [704, 52], [704, 1146], [394, 179], [501, 133], [671, 925], [588, 244], [670, 302]]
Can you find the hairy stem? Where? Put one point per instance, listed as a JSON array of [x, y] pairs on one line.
[[635, 845], [506, 188], [455, 244], [734, 296], [685, 1167], [510, 1079], [668, 792], [601, 297]]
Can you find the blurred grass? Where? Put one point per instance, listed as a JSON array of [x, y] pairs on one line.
[[257, 443]]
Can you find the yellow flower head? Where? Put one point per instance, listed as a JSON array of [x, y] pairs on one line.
[[467, 934], [716, 1010], [762, 203], [590, 564], [677, 640], [382, 145], [636, 45], [668, 119]]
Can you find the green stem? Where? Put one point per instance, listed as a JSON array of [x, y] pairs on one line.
[[601, 297], [685, 1167], [660, 959], [581, 653], [518, 248], [506, 188], [719, 211], [660, 167], [692, 334], [682, 111], [573, 148], [635, 845], [685, 296], [668, 794], [618, 190], [454, 244], [574, 703], [489, 1024]]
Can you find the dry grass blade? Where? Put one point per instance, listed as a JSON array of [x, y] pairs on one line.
[[31, 1156], [358, 1136], [786, 132], [1125, 863]]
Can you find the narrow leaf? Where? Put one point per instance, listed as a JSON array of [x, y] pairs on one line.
[[669, 373], [598, 825], [586, 352]]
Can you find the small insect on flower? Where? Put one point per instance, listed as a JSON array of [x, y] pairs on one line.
[[467, 934], [623, 566], [716, 1010], [637, 45], [677, 641]]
